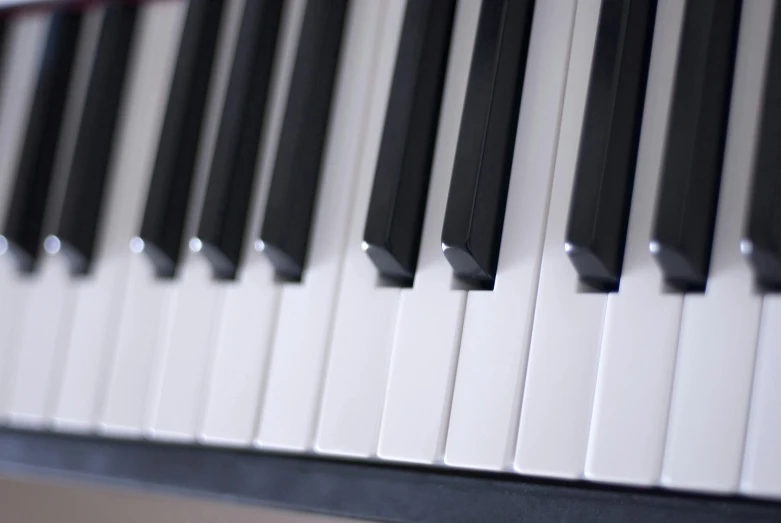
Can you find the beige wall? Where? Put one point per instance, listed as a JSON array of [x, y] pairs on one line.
[[27, 501]]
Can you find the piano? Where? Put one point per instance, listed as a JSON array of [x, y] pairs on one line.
[[423, 260]]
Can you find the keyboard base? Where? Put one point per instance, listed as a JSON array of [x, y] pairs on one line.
[[351, 489]]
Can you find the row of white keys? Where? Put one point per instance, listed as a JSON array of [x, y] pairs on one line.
[[719, 329], [22, 56], [640, 337], [47, 311], [247, 319], [176, 399], [291, 399], [99, 295], [430, 315], [567, 329], [144, 305], [362, 332], [497, 324]]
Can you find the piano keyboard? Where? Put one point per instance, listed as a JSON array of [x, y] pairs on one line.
[[534, 237]]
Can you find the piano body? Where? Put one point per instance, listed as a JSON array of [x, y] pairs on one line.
[[401, 260]]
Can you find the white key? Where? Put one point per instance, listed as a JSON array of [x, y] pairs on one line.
[[144, 307], [238, 366], [246, 328], [47, 315], [640, 337], [715, 365], [428, 327], [48, 309], [176, 404], [289, 411], [98, 296], [567, 329], [497, 324], [357, 369], [761, 474], [24, 45]]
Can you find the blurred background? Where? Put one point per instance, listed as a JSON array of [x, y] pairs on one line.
[[33, 500]]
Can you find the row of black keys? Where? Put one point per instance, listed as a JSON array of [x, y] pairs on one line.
[[597, 225]]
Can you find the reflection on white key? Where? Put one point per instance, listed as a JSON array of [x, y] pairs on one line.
[[640, 338], [99, 296], [177, 402], [357, 369], [567, 329], [715, 366], [762, 461], [289, 411], [25, 37], [238, 370], [428, 326], [497, 324], [145, 304], [48, 312]]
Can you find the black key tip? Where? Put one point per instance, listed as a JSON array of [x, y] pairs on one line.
[[389, 267], [466, 267], [24, 260], [765, 263], [679, 272], [77, 260], [222, 267], [164, 266], [285, 266], [591, 268]]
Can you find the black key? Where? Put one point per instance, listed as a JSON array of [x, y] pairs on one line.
[[602, 191], [24, 221], [474, 216], [285, 231], [4, 34], [398, 199], [682, 233], [84, 194], [762, 238], [223, 219], [169, 191]]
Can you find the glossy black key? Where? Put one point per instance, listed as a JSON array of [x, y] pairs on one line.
[[227, 200], [602, 191], [398, 199], [682, 233], [284, 235], [169, 191], [474, 216], [761, 242], [81, 208], [24, 222], [4, 34]]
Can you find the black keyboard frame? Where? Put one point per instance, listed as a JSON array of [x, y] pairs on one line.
[[373, 491]]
